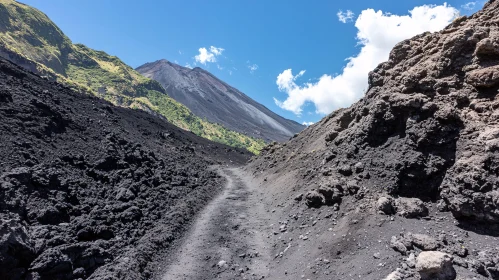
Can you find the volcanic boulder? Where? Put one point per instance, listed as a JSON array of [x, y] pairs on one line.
[[434, 265]]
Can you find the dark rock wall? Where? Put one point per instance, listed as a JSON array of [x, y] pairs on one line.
[[428, 127]]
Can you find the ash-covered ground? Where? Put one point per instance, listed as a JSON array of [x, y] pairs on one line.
[[89, 190]]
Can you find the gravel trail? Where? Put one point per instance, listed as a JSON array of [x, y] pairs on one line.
[[227, 239]]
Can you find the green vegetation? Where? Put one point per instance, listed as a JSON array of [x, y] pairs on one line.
[[29, 35], [183, 117]]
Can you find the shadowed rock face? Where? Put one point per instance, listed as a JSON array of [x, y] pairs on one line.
[[428, 127], [208, 97]]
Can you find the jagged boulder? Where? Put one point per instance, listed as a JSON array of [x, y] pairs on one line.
[[398, 245], [434, 265], [331, 194], [410, 207], [314, 199], [423, 241], [16, 248]]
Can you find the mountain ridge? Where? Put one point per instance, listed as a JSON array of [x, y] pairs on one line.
[[209, 97], [29, 38]]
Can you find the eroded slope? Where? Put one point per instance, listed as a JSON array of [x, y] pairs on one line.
[[428, 129], [208, 97], [89, 190], [30, 39]]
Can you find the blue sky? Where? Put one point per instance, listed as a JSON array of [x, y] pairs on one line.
[[270, 48]]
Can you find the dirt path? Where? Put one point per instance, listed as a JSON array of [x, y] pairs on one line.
[[227, 240]]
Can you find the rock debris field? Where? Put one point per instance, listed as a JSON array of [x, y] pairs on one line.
[[88, 190]]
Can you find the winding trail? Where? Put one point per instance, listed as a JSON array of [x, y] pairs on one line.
[[227, 239]]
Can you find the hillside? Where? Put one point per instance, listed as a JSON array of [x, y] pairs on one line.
[[30, 39], [210, 98], [404, 184], [85, 185]]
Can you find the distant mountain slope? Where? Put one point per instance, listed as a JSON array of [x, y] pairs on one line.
[[30, 39], [208, 97]]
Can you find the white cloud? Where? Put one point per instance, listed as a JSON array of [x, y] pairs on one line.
[[216, 51], [345, 16], [230, 72], [210, 55], [205, 56], [220, 67], [188, 65], [378, 33], [308, 123], [469, 6], [180, 52], [252, 68]]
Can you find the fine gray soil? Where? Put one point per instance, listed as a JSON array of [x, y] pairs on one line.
[[227, 240], [250, 231]]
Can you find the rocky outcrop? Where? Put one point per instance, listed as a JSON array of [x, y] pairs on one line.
[[427, 128], [422, 142]]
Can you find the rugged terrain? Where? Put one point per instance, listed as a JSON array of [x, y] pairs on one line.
[[30, 39], [89, 190], [208, 97], [404, 184], [411, 167]]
